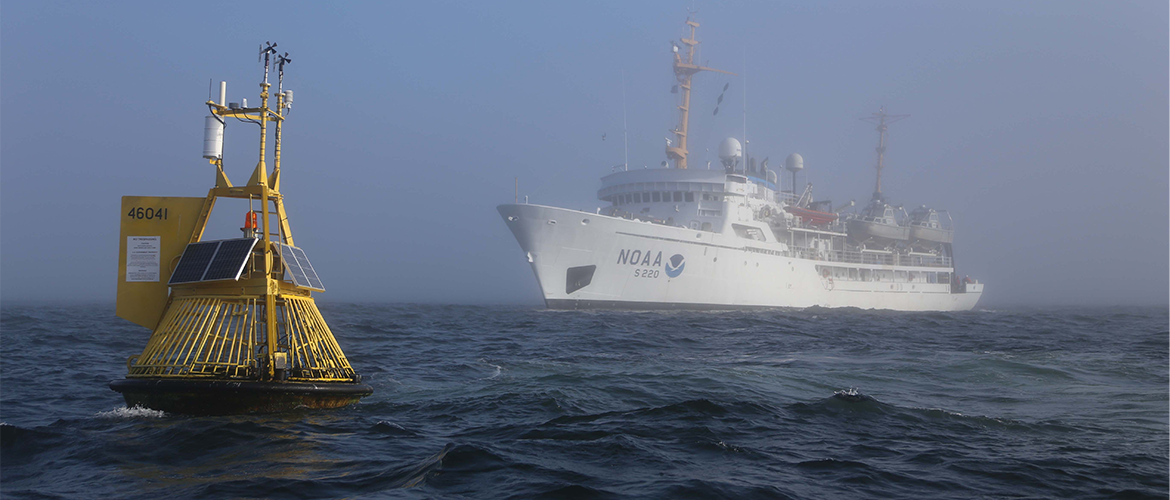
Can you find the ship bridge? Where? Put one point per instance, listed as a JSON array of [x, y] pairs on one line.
[[689, 198], [684, 186], [661, 180]]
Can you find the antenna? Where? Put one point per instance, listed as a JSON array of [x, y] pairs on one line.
[[625, 136], [745, 139], [882, 119]]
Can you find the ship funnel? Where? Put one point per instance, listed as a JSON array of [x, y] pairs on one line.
[[730, 151]]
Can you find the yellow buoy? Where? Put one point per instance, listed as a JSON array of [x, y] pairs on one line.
[[235, 327]]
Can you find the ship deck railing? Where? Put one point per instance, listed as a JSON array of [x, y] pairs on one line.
[[874, 258]]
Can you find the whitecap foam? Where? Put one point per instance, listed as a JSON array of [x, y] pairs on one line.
[[499, 369], [851, 392], [135, 412]]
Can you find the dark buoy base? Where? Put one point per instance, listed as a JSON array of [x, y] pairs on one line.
[[234, 397]]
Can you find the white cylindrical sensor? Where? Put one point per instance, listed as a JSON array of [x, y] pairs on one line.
[[212, 137], [223, 93]]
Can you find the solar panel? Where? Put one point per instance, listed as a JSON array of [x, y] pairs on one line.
[[213, 260], [194, 262], [299, 269], [310, 273], [230, 259]]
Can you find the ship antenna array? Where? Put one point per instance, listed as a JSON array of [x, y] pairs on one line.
[[883, 120], [745, 138], [684, 69], [625, 134]]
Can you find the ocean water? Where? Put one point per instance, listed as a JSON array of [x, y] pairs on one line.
[[503, 402]]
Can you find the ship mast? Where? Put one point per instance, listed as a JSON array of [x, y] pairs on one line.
[[683, 70], [882, 119]]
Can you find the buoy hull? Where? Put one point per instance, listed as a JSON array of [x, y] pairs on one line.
[[235, 397]]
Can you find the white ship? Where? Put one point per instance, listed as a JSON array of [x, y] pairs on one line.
[[682, 238]]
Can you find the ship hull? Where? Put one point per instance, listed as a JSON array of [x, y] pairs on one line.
[[583, 260]]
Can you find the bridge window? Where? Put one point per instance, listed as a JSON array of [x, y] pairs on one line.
[[748, 232], [645, 197], [637, 197], [657, 196], [690, 196], [678, 196]]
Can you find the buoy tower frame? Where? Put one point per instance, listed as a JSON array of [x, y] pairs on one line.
[[257, 343]]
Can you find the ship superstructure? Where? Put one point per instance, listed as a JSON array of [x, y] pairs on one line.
[[732, 237]]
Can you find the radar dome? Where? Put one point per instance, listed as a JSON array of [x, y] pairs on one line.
[[730, 151], [794, 163]]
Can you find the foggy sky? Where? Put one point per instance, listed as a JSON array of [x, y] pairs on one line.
[[1041, 126]]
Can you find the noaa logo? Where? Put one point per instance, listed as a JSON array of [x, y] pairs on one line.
[[675, 265]]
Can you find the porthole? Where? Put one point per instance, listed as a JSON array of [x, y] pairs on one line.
[[584, 222], [551, 221]]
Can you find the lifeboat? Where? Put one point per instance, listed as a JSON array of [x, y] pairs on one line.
[[925, 226], [878, 223]]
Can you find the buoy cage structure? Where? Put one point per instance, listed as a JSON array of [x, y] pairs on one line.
[[235, 327]]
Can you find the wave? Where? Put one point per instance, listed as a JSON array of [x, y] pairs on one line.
[[391, 429], [19, 444], [931, 420]]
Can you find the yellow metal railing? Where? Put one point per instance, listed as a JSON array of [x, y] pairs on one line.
[[224, 337]]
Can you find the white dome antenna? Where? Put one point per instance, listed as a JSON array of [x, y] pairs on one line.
[[794, 163], [730, 152]]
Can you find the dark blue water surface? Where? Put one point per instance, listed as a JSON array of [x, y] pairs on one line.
[[490, 402]]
